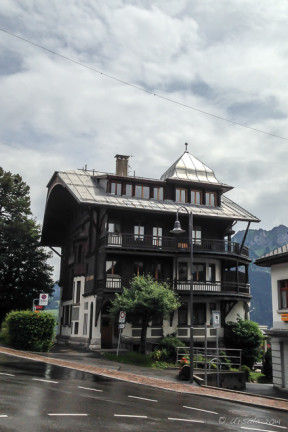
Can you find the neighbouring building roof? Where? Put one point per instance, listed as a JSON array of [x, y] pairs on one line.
[[276, 256], [84, 187]]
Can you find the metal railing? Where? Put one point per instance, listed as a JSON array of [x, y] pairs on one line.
[[227, 357]]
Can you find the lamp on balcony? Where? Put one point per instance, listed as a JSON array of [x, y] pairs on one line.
[[178, 230]]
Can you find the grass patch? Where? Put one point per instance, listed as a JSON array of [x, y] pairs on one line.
[[259, 378], [138, 359]]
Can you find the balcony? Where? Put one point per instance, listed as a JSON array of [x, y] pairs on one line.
[[115, 283], [172, 244]]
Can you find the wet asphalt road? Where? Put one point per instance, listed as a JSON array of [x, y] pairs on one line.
[[40, 397]]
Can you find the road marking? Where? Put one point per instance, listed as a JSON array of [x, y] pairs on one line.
[[185, 420], [91, 389], [2, 373], [43, 380], [3, 415], [130, 416], [67, 414], [199, 409], [149, 400]]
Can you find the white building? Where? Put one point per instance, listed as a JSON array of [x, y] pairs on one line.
[[277, 260]]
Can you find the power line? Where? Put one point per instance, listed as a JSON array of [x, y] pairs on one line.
[[141, 88]]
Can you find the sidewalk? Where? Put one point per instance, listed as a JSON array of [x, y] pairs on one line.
[[93, 362]]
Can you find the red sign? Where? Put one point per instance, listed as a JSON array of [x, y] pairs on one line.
[[38, 307]]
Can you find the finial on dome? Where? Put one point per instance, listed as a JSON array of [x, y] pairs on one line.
[[186, 145]]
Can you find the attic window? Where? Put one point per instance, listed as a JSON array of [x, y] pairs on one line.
[[181, 195], [196, 197], [142, 191], [116, 188], [210, 198]]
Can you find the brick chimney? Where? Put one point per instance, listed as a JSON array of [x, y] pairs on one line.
[[122, 165]]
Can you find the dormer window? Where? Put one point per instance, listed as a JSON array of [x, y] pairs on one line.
[[196, 197], [181, 195], [115, 188], [158, 193], [210, 198], [142, 191]]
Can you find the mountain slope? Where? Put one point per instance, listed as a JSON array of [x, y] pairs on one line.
[[261, 242]]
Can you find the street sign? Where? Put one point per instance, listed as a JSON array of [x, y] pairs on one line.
[[216, 319], [43, 299], [122, 317], [121, 326]]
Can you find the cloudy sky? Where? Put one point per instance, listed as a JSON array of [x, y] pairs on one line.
[[227, 58]]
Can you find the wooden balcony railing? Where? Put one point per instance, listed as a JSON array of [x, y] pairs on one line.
[[164, 243], [115, 283]]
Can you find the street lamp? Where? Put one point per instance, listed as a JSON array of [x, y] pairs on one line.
[[178, 230]]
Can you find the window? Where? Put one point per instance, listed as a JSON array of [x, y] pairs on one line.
[[196, 197], [138, 268], [199, 272], [116, 188], [77, 291], [283, 294], [199, 314], [76, 327], [114, 234], [183, 314], [183, 271], [212, 273], [112, 268], [157, 236], [139, 232], [129, 190], [158, 193], [210, 198], [66, 318], [142, 191], [196, 236], [181, 195]]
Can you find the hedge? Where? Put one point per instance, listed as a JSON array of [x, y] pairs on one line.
[[29, 330]]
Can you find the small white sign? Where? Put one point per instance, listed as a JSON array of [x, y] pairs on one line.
[[43, 299], [121, 326], [122, 317], [216, 319]]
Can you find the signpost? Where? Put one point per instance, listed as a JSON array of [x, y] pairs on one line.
[[216, 322], [121, 326], [43, 299]]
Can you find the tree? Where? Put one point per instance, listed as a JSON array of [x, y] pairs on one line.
[[24, 271], [145, 300], [245, 335]]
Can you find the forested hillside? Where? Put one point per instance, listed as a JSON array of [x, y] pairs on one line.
[[261, 242]]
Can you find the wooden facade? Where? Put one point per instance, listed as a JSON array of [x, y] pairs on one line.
[[111, 227]]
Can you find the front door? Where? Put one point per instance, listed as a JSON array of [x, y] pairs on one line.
[[106, 332]]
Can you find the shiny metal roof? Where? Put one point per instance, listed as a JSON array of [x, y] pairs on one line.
[[83, 186], [187, 167]]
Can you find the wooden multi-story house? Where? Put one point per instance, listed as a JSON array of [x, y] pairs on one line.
[[113, 226]]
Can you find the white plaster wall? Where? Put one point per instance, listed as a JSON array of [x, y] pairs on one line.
[[237, 311], [278, 272]]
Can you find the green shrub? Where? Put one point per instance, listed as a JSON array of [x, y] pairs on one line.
[[170, 343], [247, 371], [160, 354], [28, 330], [267, 363]]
